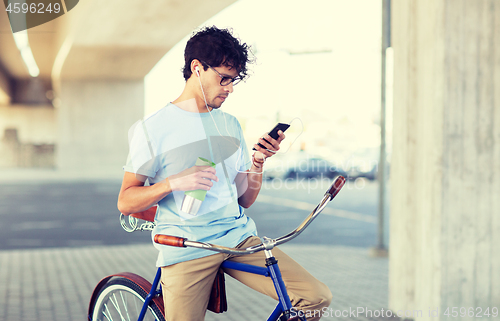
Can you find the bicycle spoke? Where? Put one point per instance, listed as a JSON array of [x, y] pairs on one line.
[[124, 301], [117, 307], [120, 302], [109, 319], [108, 316], [137, 306]]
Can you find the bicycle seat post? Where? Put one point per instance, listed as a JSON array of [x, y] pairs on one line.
[[275, 274]]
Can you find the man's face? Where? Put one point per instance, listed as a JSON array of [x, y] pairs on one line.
[[216, 94]]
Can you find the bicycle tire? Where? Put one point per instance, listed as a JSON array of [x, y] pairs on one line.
[[121, 297]]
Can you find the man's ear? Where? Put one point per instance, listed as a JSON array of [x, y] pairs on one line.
[[195, 67]]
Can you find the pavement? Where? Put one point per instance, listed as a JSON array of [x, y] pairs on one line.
[[56, 283]]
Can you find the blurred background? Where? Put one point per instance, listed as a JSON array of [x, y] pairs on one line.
[[319, 62], [326, 53], [317, 66], [398, 96]]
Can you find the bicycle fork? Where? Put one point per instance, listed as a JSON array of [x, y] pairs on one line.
[[284, 310]]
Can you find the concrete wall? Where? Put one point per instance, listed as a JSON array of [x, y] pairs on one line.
[[445, 221], [94, 121], [99, 72], [27, 136], [34, 124]]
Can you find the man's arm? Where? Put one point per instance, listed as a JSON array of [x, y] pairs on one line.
[[250, 182], [135, 197], [248, 185]]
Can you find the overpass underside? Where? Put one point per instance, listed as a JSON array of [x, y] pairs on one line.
[[90, 90]]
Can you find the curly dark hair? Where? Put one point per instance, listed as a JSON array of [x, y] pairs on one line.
[[216, 47]]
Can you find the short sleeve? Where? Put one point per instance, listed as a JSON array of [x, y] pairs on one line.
[[141, 158]]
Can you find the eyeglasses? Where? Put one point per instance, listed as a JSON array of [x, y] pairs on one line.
[[224, 81]]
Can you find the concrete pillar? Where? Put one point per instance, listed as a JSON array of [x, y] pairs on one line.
[[94, 118], [445, 168]]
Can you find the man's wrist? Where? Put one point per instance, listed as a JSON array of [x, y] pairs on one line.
[[168, 188], [256, 169], [256, 163]]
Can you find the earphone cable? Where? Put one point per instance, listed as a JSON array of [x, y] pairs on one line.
[[239, 148]]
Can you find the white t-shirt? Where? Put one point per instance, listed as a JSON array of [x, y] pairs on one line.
[[170, 141]]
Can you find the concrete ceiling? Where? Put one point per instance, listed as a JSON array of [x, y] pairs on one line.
[[117, 39], [10, 57], [14, 76], [43, 43], [112, 39]]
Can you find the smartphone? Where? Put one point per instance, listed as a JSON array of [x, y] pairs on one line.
[[274, 132]]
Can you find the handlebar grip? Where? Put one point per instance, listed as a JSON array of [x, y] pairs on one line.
[[170, 240], [336, 186]]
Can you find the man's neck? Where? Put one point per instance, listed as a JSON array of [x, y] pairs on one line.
[[190, 105], [190, 101]]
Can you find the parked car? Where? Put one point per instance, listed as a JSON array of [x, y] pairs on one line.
[[363, 163], [300, 165]]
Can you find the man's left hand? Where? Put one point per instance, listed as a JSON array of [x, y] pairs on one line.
[[270, 148]]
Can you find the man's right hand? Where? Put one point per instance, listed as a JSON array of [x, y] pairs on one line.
[[193, 178]]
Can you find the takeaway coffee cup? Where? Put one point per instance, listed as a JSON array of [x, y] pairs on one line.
[[193, 199]]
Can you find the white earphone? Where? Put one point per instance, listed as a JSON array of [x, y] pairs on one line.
[[197, 69]]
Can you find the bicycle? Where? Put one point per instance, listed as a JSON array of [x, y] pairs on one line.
[[128, 296]]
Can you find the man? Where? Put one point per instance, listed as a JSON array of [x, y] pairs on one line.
[[164, 148]]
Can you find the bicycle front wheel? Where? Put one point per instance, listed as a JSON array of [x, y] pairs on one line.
[[122, 299]]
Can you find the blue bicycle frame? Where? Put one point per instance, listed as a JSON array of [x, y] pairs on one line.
[[271, 270]]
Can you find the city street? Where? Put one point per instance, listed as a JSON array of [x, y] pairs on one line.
[[84, 213]]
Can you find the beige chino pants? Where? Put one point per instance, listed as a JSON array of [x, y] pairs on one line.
[[187, 285]]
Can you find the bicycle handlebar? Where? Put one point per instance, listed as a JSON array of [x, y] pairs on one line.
[[336, 186], [170, 240], [269, 243]]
